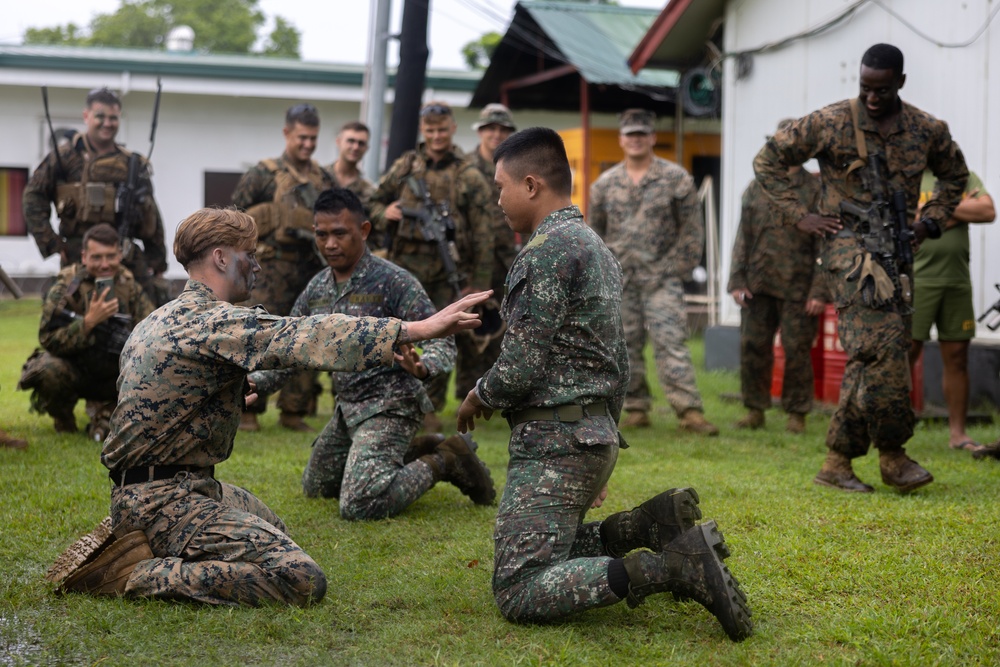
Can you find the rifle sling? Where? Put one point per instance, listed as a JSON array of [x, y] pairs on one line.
[[859, 138]]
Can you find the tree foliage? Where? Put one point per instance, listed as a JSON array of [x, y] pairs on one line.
[[477, 53], [220, 26]]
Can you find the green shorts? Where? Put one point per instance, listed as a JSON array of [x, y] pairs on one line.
[[949, 307]]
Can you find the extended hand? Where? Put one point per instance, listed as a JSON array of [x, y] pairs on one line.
[[393, 212], [447, 321], [469, 410], [601, 497], [409, 359], [819, 225]]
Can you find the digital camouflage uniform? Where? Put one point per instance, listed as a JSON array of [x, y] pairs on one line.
[[506, 244], [183, 380], [75, 365], [564, 346], [874, 406], [775, 262], [358, 457], [83, 192], [656, 231], [286, 252], [455, 182]]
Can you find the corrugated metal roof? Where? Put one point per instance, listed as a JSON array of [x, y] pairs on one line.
[[598, 39], [201, 65]]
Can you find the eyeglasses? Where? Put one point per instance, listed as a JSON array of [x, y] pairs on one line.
[[436, 110], [106, 119]]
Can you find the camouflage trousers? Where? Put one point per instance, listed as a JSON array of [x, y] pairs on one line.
[[214, 543], [874, 407], [278, 285], [548, 563], [763, 316], [57, 384], [657, 311], [362, 465]]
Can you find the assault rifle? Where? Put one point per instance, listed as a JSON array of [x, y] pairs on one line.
[[111, 334], [994, 322], [437, 225], [132, 195], [882, 225]]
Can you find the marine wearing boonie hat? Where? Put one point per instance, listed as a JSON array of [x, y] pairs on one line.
[[494, 114], [636, 120]]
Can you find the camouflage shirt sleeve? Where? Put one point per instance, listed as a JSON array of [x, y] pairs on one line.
[[789, 147], [946, 162], [36, 204], [473, 194], [686, 252], [742, 244], [255, 187], [389, 188]]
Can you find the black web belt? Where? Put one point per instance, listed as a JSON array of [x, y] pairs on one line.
[[156, 473]]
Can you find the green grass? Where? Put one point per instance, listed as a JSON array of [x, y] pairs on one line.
[[833, 578]]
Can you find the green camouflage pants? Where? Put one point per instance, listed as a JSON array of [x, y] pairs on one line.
[[362, 465], [547, 562], [214, 543], [874, 406], [657, 311], [278, 285], [763, 316]]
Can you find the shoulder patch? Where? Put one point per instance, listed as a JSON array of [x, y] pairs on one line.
[[537, 241]]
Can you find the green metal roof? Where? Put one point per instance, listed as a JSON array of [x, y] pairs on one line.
[[598, 39], [200, 65]]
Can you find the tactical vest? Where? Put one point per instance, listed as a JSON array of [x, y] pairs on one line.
[[289, 213], [91, 200]]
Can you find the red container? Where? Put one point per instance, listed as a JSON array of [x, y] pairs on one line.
[[816, 354]]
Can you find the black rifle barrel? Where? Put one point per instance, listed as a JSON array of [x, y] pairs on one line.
[[52, 132]]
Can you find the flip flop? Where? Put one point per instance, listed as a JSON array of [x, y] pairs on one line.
[[969, 445]]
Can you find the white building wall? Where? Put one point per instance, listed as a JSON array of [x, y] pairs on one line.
[[959, 85], [204, 125]]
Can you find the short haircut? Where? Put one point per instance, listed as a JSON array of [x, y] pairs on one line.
[[103, 96], [537, 150], [435, 112], [355, 126], [210, 228], [335, 200], [103, 233], [884, 56], [302, 114]]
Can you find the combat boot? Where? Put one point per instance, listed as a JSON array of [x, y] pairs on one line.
[[84, 550], [837, 473], [454, 460], [108, 573], [902, 472], [7, 440], [64, 422], [422, 445], [694, 421], [294, 422], [636, 419], [691, 568], [653, 524], [796, 423], [248, 422], [753, 420]]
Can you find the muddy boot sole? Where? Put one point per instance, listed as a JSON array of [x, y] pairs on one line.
[[80, 552]]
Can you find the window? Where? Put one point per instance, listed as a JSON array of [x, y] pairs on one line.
[[12, 182], [219, 186]]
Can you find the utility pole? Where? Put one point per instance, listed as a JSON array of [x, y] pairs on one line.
[[373, 99], [410, 78]]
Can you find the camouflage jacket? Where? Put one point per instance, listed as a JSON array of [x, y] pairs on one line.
[[505, 246], [361, 186], [654, 228], [184, 370], [41, 192], [74, 288], [377, 288], [771, 256], [564, 341], [455, 181], [915, 141]]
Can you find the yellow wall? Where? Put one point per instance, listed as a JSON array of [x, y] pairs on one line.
[[605, 153]]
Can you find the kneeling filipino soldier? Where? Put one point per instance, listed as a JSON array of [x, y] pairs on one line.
[[86, 317], [358, 458], [560, 382], [176, 531]]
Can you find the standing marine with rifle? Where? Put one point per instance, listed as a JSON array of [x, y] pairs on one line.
[[91, 179], [872, 152], [433, 216]]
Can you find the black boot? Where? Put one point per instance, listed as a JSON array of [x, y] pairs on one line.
[[422, 445], [691, 567], [454, 460], [653, 524]]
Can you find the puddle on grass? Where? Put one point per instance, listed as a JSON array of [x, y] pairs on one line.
[[18, 643]]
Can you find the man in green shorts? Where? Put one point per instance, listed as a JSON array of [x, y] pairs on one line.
[[942, 296]]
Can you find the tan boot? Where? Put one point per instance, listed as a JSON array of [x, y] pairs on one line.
[[902, 472], [753, 420], [796, 423], [109, 572], [636, 419], [294, 422], [248, 422], [694, 421], [84, 550], [11, 442], [838, 474]]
